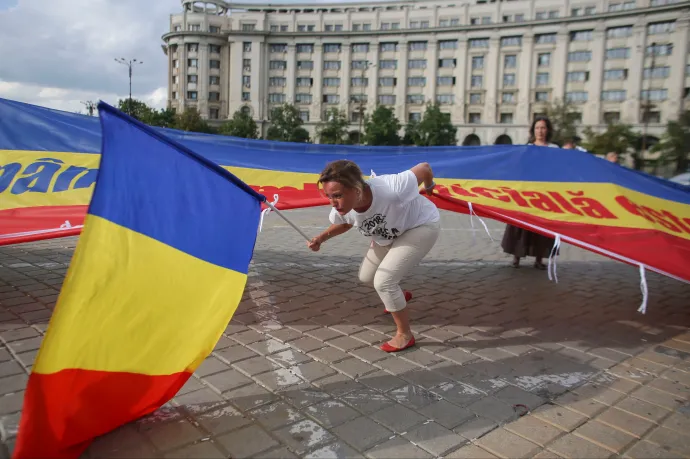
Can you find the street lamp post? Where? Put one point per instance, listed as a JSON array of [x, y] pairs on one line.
[[129, 64], [361, 100]]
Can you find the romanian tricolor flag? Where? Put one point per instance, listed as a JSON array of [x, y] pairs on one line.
[[158, 272]]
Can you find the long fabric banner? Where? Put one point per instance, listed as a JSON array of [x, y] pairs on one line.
[[49, 163]]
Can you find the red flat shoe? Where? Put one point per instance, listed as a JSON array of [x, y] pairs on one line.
[[388, 348], [408, 297]]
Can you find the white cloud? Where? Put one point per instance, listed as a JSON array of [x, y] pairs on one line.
[[58, 53]]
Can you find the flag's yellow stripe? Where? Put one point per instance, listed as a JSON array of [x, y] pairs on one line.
[[132, 304]]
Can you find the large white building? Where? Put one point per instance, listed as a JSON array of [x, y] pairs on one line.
[[491, 64]]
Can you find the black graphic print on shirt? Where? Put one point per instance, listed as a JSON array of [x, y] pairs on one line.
[[376, 226]]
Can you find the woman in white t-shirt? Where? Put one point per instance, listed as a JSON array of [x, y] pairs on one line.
[[402, 224]]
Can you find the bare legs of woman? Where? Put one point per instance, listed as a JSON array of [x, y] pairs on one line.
[[403, 334]]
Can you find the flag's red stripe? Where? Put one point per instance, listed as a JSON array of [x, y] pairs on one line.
[[72, 407], [653, 248]]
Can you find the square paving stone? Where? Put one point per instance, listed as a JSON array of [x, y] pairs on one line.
[[199, 401], [11, 403], [670, 439], [279, 379], [435, 438], [398, 418], [234, 354], [246, 442], [398, 448], [605, 436], [571, 446], [505, 444], [369, 354], [643, 409], [534, 430], [304, 395], [304, 436], [493, 408], [460, 394], [221, 420], [470, 452], [413, 396], [362, 433], [227, 380], [447, 414], [647, 450], [629, 423], [475, 428], [255, 366], [276, 415], [337, 450], [290, 358], [382, 381], [331, 413], [210, 366], [313, 370], [248, 397], [560, 417], [329, 354], [13, 383], [206, 449], [169, 435], [366, 400], [354, 368], [338, 385]]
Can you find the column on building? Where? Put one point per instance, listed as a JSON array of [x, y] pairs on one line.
[[401, 88], [431, 69], [525, 80], [317, 89], [257, 92], [182, 71], [203, 71], [592, 112], [559, 65], [676, 81], [291, 73], [462, 68], [344, 90], [236, 48], [491, 73], [225, 86], [631, 110], [373, 74]]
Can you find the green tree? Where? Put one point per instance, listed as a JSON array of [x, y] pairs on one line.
[[190, 120], [334, 130], [564, 119], [410, 134], [136, 109], [382, 127], [241, 125], [618, 137], [435, 129], [675, 144], [286, 125]]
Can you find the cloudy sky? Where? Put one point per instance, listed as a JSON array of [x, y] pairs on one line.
[[58, 53]]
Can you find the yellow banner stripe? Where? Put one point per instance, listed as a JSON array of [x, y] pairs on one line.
[[100, 324], [602, 204]]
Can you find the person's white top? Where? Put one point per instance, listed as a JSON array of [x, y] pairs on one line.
[[552, 145], [396, 207]]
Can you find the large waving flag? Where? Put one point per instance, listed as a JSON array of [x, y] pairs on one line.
[[157, 274], [50, 159]]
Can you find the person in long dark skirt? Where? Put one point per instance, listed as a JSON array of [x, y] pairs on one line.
[[520, 242]]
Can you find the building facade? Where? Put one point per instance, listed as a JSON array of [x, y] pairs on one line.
[[492, 65]]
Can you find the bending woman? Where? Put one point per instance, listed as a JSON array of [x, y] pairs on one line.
[[402, 224]]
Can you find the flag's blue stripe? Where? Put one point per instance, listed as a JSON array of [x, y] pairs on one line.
[[148, 185], [26, 127]]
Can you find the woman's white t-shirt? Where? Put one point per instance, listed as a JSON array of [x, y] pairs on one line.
[[396, 207]]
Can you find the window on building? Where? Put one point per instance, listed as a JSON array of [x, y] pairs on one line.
[[445, 99], [447, 63], [416, 81], [276, 98], [213, 113], [478, 43], [415, 99], [654, 94], [577, 76], [278, 48], [331, 48], [276, 81], [545, 38], [214, 80], [304, 115], [508, 79], [661, 27], [388, 64], [304, 48], [509, 61], [511, 41], [660, 50], [541, 96], [387, 99], [651, 117], [248, 27], [246, 46], [331, 82], [416, 64], [192, 78], [506, 118], [445, 81], [388, 81], [579, 56], [303, 99], [193, 63], [246, 97], [544, 59], [581, 35], [277, 65], [305, 65], [417, 46], [331, 65], [448, 44], [303, 82], [247, 81], [613, 95], [193, 95], [616, 74], [657, 72], [476, 81], [542, 79], [612, 117], [214, 96], [331, 99], [193, 47], [214, 29], [388, 47], [617, 53], [508, 98], [475, 118], [214, 49], [414, 117], [360, 48], [215, 64], [475, 98], [477, 62], [359, 81], [619, 32], [576, 96]]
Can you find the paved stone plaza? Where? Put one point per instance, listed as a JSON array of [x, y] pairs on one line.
[[508, 364]]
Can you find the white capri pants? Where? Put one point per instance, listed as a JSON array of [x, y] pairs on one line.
[[385, 266]]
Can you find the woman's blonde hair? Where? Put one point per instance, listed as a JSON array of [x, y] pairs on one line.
[[345, 172]]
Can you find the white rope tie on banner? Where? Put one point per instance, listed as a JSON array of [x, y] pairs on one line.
[[645, 291], [486, 228], [267, 210], [553, 256], [280, 214], [373, 174]]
